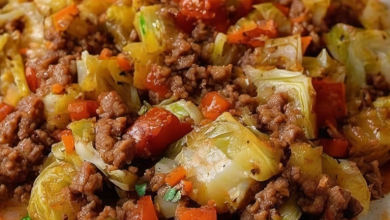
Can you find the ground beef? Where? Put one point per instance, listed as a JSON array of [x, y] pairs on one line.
[[281, 118], [321, 198], [111, 105], [373, 176], [87, 181], [109, 144]]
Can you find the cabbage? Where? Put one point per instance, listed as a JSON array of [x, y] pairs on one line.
[[48, 7], [376, 15], [60, 155], [318, 8], [91, 9], [56, 106], [13, 84], [308, 159], [363, 52], [121, 178], [324, 66], [269, 11], [156, 33], [296, 85], [96, 76], [211, 153], [368, 133], [49, 199], [284, 53], [348, 176], [223, 52], [290, 209], [183, 109], [83, 132], [119, 23]]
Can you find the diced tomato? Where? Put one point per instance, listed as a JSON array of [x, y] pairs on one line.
[[32, 80], [251, 33], [203, 213], [81, 109], [155, 130], [337, 148], [5, 110], [157, 84], [185, 23], [243, 7], [220, 21], [213, 105], [330, 102], [200, 9], [144, 210]]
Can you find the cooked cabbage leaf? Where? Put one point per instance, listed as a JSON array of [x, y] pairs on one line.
[[185, 109], [348, 176], [362, 52], [83, 132], [284, 53], [13, 84], [119, 23], [224, 53], [376, 15], [49, 199], [96, 76], [318, 8], [269, 11], [211, 153], [324, 66], [297, 86], [368, 132]]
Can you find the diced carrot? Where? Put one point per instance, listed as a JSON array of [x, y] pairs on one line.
[[175, 176], [5, 110], [305, 41], [213, 105], [57, 88], [63, 18], [123, 62], [337, 148], [81, 109], [187, 186], [285, 10], [23, 50], [32, 80], [144, 210], [250, 33], [68, 140], [207, 212], [105, 54]]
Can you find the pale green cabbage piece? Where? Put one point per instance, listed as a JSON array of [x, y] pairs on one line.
[[96, 76], [185, 109], [318, 8], [211, 153], [362, 52], [324, 66], [297, 86]]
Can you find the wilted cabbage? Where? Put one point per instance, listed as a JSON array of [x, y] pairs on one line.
[[49, 197], [56, 106], [83, 133], [185, 109], [363, 52], [290, 209], [48, 7], [324, 66], [13, 84], [156, 33], [269, 11], [284, 53], [96, 76], [318, 8], [297, 86], [119, 23], [368, 133], [224, 53], [212, 153], [348, 176], [308, 159]]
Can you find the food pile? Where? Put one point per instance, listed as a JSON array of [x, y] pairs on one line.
[[194, 109]]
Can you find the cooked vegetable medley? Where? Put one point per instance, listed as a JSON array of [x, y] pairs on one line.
[[194, 109]]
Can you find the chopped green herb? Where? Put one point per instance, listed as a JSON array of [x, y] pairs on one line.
[[141, 188], [170, 194], [177, 197], [27, 217]]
